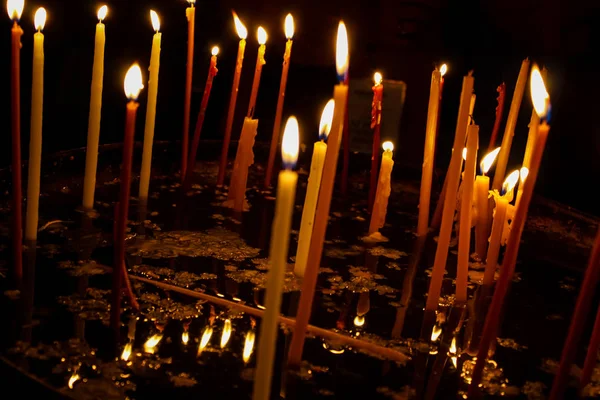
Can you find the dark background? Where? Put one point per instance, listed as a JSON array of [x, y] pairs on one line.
[[403, 39]]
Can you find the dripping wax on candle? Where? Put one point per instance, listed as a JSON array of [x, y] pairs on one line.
[[482, 189]]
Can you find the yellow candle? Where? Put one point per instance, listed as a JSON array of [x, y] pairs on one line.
[[150, 109], [91, 152], [340, 96], [242, 33], [35, 142], [260, 61], [464, 238], [482, 189], [509, 130], [429, 153], [244, 159], [278, 255], [312, 190], [384, 188], [453, 175]]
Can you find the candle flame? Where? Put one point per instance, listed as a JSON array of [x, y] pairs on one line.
[[341, 53], [524, 173], [248, 346], [435, 333], [388, 146], [40, 18], [15, 9], [510, 181], [239, 27], [443, 69], [126, 352], [155, 20], [326, 118], [215, 50], [226, 333], [290, 143], [452, 348], [185, 337], [152, 342], [74, 378], [464, 154], [192, 2], [289, 26], [262, 35], [377, 78], [359, 321], [488, 160], [333, 350], [539, 95], [133, 82], [102, 11], [205, 339]]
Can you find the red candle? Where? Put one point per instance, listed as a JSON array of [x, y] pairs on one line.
[[190, 14], [376, 126], [212, 72], [541, 103], [133, 86], [15, 9], [499, 111]]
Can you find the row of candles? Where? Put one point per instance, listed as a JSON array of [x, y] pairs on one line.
[[474, 190]]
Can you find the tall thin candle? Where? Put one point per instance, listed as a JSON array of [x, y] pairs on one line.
[[150, 109], [376, 126], [260, 61], [190, 14], [35, 141], [289, 34], [499, 111], [278, 255], [242, 33], [93, 138], [340, 96], [384, 188], [482, 189], [590, 281]]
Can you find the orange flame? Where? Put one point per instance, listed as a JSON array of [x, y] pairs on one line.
[[239, 27], [152, 342], [289, 26], [226, 333], [155, 20], [443, 69], [290, 143], [341, 53], [15, 9], [133, 82], [488, 160], [326, 118], [40, 19], [539, 95], [102, 11], [248, 346], [205, 339], [126, 352]]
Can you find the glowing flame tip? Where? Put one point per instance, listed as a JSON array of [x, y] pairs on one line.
[[289, 26], [215, 50], [126, 352], [15, 9], [326, 119], [377, 78], [488, 160], [435, 333], [359, 321], [388, 146], [248, 346], [133, 82], [205, 339], [155, 20], [443, 69], [539, 94], [152, 342], [341, 53], [226, 333], [262, 35], [74, 378], [510, 181], [290, 143], [185, 337], [40, 18], [102, 11], [239, 27], [523, 174], [464, 154]]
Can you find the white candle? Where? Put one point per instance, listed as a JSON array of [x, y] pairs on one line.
[[384, 188]]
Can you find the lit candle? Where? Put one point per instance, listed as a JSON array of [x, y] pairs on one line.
[[500, 215], [464, 238], [533, 127], [509, 130], [452, 178], [212, 72], [242, 33], [35, 141], [523, 173], [429, 151], [190, 14], [93, 138], [376, 126], [260, 61], [384, 188], [289, 34], [482, 189], [15, 9], [541, 103], [312, 190], [340, 96], [278, 255], [243, 160], [133, 86], [150, 109], [499, 111]]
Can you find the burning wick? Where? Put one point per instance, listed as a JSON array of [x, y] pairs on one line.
[[185, 337], [151, 343], [126, 352], [74, 378], [226, 333], [452, 352], [205, 339], [248, 346]]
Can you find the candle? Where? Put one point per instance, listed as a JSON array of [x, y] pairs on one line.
[[243, 160], [340, 96], [260, 61], [190, 14], [541, 103], [384, 188], [500, 215], [212, 72], [35, 141], [509, 130], [91, 151], [345, 144], [482, 189], [443, 70], [15, 9], [523, 173], [312, 190], [289, 34], [376, 126], [280, 236], [429, 151], [464, 239], [499, 111], [533, 126], [242, 33], [150, 109], [133, 86], [449, 207]]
